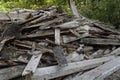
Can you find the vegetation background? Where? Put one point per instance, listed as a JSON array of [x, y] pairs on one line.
[[103, 10]]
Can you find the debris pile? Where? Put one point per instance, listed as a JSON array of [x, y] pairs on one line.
[[48, 44]]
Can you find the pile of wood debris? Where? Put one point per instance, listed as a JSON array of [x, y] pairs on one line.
[[48, 44]]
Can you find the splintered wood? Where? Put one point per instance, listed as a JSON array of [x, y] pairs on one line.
[[48, 44]]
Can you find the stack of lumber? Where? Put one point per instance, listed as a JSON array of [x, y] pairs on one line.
[[48, 44]]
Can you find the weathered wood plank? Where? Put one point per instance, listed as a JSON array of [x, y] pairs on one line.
[[29, 46], [57, 36], [59, 55], [55, 71], [45, 25], [33, 63], [103, 27], [99, 41], [12, 72], [73, 8], [69, 25], [13, 16], [75, 33], [46, 15], [35, 35], [68, 39], [58, 50], [101, 72], [97, 53], [116, 51], [75, 57]]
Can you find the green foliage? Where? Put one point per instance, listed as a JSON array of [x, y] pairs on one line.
[[103, 10]]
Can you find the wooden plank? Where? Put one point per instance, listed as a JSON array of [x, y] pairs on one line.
[[69, 25], [29, 46], [57, 36], [58, 50], [13, 16], [33, 63], [3, 16], [18, 16], [73, 8], [107, 52], [68, 39], [56, 20], [53, 71], [75, 57], [101, 72], [75, 33], [35, 35], [12, 72], [46, 15], [97, 54], [45, 25], [59, 55], [107, 29], [116, 51], [99, 41]]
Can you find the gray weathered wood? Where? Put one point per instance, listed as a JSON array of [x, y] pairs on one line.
[[59, 55], [46, 15], [33, 63], [58, 50], [68, 39], [103, 27], [55, 71], [97, 54], [74, 9], [75, 57], [107, 51], [101, 72], [99, 41], [13, 16], [75, 33], [35, 35], [69, 25], [116, 51], [57, 36], [12, 72]]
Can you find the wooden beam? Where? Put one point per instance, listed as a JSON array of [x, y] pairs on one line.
[[13, 16], [73, 8], [57, 36], [97, 54], [33, 63], [116, 51], [36, 35], [59, 55], [99, 41], [12, 72], [68, 39], [69, 25], [101, 72]]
